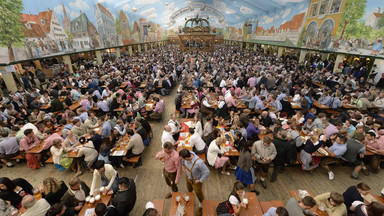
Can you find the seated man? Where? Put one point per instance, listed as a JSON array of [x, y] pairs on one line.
[[28, 142], [34, 208], [135, 147], [196, 142], [273, 211], [332, 202], [125, 198], [300, 208], [354, 155], [75, 196], [59, 209], [9, 148], [167, 136], [78, 128], [158, 111], [102, 210], [56, 105], [377, 147], [335, 152], [104, 175]]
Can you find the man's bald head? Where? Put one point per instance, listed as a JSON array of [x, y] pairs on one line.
[[167, 128], [28, 201]]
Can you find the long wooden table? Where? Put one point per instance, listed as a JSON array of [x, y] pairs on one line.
[[189, 207], [254, 207], [104, 199]]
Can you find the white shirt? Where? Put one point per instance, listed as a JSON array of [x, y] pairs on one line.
[[167, 137], [197, 142], [207, 128], [198, 128], [222, 83], [175, 126], [205, 102]]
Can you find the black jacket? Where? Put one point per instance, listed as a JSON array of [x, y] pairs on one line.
[[124, 201], [53, 198]]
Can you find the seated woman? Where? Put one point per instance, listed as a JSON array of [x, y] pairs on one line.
[[353, 194], [60, 161], [70, 141], [14, 190], [52, 190], [215, 157], [372, 209], [309, 161], [234, 203], [89, 152]]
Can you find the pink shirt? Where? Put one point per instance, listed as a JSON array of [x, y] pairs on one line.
[[159, 107], [48, 142], [27, 144], [230, 101], [120, 91], [376, 144], [252, 81], [172, 163]]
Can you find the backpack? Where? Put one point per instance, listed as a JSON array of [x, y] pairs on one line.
[[224, 208]]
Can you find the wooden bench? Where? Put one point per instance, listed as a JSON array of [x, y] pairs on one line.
[[159, 205], [202, 156], [135, 160], [209, 208], [177, 112], [50, 160], [17, 157], [332, 111]]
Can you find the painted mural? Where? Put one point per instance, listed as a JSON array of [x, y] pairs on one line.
[[40, 28], [346, 26]]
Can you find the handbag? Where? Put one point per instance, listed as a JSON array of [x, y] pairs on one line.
[[224, 208]]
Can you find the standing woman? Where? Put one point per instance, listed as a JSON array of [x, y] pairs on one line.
[[244, 170]]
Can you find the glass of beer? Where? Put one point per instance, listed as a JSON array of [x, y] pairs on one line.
[[87, 199], [178, 199], [245, 201], [36, 192], [186, 198]]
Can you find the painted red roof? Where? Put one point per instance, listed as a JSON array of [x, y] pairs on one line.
[[378, 15], [34, 32], [104, 9]]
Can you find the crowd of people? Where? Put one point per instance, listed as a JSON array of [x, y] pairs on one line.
[[279, 112]]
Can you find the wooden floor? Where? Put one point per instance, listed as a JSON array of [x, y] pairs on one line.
[[151, 185]]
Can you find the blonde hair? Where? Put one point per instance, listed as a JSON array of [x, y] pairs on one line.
[[219, 140], [315, 135], [68, 132], [51, 185]]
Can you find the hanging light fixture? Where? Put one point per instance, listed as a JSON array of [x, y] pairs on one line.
[[134, 9]]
